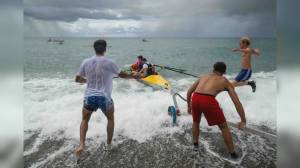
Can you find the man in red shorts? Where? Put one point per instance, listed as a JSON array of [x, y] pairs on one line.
[[203, 101]]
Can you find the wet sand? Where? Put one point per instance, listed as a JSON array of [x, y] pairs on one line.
[[161, 151]]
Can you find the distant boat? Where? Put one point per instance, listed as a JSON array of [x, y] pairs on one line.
[[56, 40], [144, 40]]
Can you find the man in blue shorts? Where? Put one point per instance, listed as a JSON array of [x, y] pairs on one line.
[[242, 78], [98, 72]]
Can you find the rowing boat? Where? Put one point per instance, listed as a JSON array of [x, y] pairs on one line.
[[156, 81]]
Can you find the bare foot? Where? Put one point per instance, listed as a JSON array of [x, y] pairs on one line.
[[79, 150]]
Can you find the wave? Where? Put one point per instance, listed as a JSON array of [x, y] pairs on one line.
[[53, 107]]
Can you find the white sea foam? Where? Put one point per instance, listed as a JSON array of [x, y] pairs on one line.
[[54, 105]]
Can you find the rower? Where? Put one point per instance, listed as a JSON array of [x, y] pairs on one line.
[[148, 69], [138, 65]]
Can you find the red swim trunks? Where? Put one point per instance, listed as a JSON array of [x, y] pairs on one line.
[[208, 105]]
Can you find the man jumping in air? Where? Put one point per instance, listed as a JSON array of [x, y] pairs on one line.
[[98, 72], [242, 78], [201, 99]]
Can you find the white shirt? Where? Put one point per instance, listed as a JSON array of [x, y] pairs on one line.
[[99, 72], [145, 66]]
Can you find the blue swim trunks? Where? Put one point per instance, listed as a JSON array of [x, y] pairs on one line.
[[244, 75], [92, 103]]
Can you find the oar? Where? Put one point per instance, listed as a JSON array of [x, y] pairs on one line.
[[167, 67], [184, 73], [188, 74], [181, 71], [175, 70]]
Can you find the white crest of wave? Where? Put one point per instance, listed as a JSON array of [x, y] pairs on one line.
[[54, 105]]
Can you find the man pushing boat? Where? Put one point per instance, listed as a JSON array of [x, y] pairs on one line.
[[201, 99], [98, 72]]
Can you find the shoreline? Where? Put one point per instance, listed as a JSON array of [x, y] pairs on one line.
[[165, 150]]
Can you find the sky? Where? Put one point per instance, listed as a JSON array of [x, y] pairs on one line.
[[150, 18]]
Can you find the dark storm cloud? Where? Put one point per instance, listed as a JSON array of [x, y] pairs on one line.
[[237, 7], [90, 4], [171, 17], [73, 14], [218, 18], [10, 3], [72, 10]]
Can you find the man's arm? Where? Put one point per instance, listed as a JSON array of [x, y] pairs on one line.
[[241, 50], [125, 75], [143, 70], [256, 51], [80, 79], [238, 105], [189, 94]]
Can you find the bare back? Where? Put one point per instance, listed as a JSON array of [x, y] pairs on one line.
[[211, 84]]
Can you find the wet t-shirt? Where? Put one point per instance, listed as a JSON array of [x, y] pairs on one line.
[[99, 72]]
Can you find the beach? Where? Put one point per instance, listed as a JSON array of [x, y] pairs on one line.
[[144, 134]]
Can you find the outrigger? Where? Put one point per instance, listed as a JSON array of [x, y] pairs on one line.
[[157, 81]]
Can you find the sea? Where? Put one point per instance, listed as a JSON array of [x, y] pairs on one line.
[[144, 134]]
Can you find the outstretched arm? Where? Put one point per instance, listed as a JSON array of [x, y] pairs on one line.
[[143, 70], [189, 94], [256, 51], [241, 50], [238, 105], [80, 79], [125, 75]]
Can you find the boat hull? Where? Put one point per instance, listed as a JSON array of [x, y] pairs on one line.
[[156, 81]]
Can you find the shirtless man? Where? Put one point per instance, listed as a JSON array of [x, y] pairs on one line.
[[201, 99], [242, 78]]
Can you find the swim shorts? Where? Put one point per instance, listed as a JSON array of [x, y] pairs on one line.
[[208, 105], [244, 75], [92, 103]]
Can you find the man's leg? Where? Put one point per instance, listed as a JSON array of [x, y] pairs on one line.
[[227, 137], [241, 83], [196, 132], [86, 115], [110, 124]]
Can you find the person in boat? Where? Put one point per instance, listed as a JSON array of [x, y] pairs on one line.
[[98, 72], [201, 99], [138, 65], [244, 75], [147, 69]]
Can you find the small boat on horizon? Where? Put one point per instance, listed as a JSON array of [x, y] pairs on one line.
[[55, 40]]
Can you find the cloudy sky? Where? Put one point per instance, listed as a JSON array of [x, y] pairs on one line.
[[131, 18]]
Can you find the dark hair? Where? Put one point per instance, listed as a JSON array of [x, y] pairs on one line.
[[140, 57], [220, 67], [100, 46], [144, 59]]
